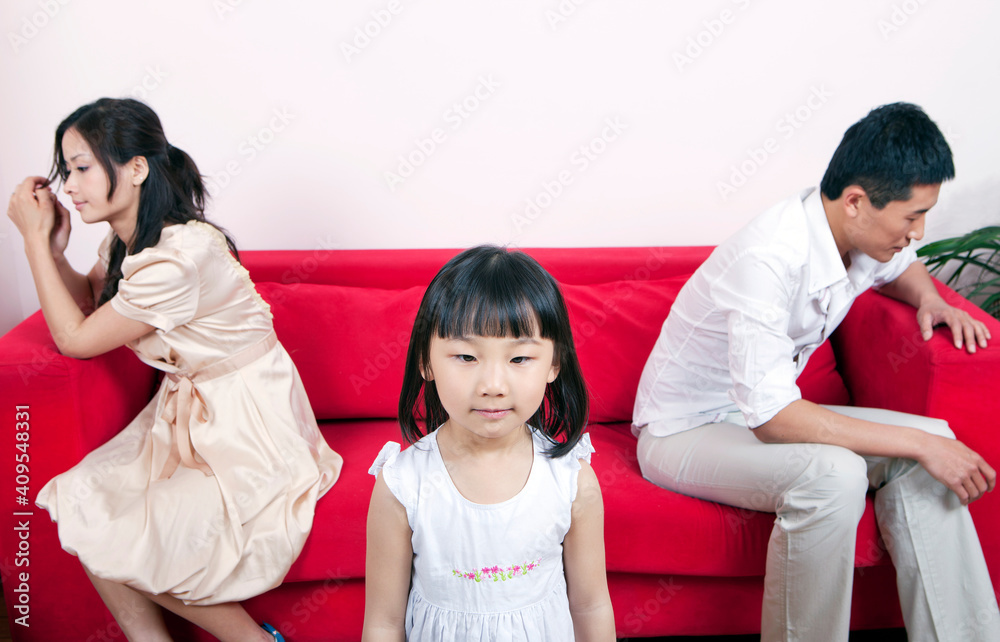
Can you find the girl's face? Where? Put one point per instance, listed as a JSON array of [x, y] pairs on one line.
[[87, 184], [490, 386]]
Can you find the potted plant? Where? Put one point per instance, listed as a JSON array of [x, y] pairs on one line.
[[975, 263]]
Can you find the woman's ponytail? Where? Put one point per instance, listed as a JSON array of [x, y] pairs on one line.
[[187, 176]]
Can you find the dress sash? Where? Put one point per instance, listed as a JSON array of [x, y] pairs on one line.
[[184, 406]]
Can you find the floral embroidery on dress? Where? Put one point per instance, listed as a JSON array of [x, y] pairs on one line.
[[497, 573]]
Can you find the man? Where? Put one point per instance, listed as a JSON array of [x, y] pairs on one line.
[[727, 359]]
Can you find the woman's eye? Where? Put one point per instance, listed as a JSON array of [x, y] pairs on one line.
[[82, 168]]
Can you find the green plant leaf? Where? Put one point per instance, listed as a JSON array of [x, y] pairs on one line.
[[979, 253]]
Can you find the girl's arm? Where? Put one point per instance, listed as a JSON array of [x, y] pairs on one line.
[[583, 557], [33, 211], [388, 561]]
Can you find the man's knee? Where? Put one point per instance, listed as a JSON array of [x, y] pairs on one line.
[[831, 487]]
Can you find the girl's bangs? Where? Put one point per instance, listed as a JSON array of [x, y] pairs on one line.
[[493, 314]]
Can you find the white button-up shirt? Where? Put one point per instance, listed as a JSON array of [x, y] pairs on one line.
[[744, 325]]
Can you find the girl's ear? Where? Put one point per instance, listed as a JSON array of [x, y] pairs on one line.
[[426, 373], [553, 373]]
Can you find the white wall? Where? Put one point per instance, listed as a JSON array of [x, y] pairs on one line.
[[771, 87]]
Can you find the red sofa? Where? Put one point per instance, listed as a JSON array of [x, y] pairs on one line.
[[676, 565]]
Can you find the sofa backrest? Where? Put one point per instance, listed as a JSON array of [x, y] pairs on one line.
[[345, 317]]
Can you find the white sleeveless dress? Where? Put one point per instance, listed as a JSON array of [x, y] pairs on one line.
[[485, 571]]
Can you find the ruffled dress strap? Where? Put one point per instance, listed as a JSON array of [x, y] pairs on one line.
[[387, 455], [400, 475], [582, 450]]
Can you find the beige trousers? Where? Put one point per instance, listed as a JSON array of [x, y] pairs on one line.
[[817, 493]]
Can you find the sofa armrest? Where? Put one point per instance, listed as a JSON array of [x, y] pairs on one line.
[[68, 407], [887, 364], [75, 404]]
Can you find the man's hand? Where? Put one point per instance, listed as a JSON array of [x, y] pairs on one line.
[[964, 329], [958, 467]]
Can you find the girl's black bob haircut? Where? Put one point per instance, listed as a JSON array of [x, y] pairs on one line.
[[489, 291]]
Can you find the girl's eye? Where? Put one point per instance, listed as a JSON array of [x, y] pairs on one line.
[[520, 359], [466, 358]]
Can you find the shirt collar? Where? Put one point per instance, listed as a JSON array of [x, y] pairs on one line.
[[825, 265]]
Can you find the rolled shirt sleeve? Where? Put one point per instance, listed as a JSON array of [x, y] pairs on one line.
[[755, 301]]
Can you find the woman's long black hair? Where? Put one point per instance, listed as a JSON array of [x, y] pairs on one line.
[[117, 130], [488, 291]]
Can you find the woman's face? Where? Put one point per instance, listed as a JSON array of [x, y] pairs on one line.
[[87, 184]]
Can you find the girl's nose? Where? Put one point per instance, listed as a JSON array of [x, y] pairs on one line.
[[492, 382]]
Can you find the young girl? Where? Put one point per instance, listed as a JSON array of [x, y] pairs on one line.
[[491, 526], [206, 498]]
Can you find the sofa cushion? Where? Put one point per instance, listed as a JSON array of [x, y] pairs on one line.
[[336, 546], [615, 326], [649, 529], [349, 344], [351, 362]]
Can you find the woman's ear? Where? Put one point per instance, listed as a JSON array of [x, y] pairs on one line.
[[138, 170]]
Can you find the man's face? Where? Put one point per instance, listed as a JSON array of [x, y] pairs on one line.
[[882, 233]]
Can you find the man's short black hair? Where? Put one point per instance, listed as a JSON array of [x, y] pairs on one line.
[[887, 152]]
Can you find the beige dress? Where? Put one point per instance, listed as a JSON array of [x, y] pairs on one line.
[[209, 493]]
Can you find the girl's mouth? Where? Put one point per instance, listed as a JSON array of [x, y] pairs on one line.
[[492, 414]]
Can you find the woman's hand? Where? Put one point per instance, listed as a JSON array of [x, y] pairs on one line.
[[33, 210], [59, 236]]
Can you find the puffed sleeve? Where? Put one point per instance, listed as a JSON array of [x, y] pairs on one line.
[[159, 287]]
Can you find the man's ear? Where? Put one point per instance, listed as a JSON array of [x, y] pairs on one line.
[[852, 197], [138, 170]]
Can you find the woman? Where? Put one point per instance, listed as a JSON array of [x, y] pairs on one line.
[[207, 497]]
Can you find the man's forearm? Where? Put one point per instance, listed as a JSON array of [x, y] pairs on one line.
[[913, 286], [805, 422]]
